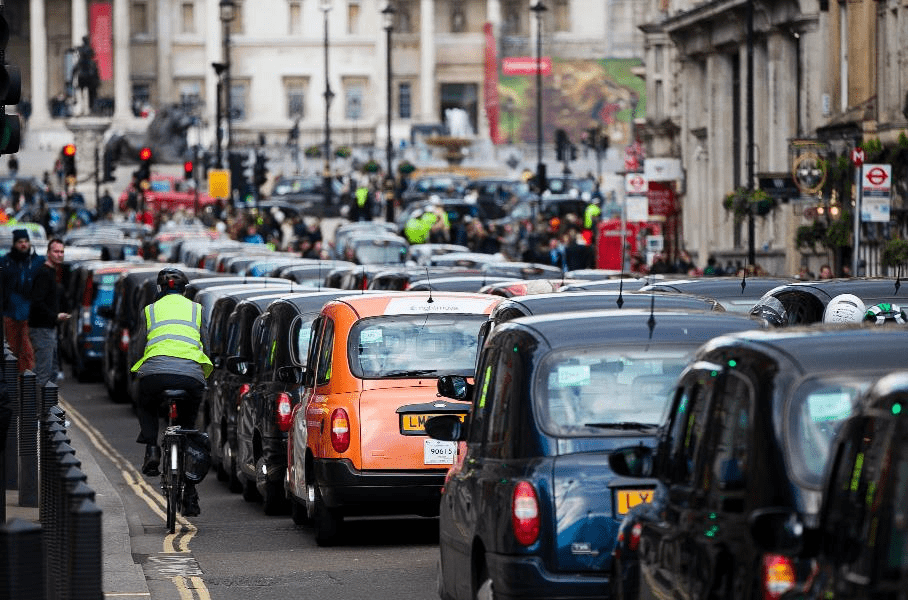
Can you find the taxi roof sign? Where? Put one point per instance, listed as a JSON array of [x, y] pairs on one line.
[[219, 184]]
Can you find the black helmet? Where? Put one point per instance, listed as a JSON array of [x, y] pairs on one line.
[[771, 310], [172, 280], [884, 312]]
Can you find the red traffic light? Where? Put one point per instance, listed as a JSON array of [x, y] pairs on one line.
[[187, 169], [69, 150], [145, 154]]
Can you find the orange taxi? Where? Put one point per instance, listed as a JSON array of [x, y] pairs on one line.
[[358, 445]]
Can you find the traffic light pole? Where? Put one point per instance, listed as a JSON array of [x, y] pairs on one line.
[[97, 177]]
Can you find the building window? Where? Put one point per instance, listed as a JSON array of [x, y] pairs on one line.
[[512, 17], [354, 97], [458, 17], [464, 96], [141, 98], [353, 18], [403, 17], [296, 88], [295, 21], [659, 58], [404, 101], [138, 18], [658, 108], [562, 15], [236, 25], [239, 93], [187, 17]]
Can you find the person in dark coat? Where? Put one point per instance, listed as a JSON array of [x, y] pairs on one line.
[[18, 271], [48, 308]]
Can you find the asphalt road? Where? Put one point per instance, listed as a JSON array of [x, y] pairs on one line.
[[235, 551]]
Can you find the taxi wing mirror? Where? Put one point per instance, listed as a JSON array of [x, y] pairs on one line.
[[448, 428], [455, 387], [238, 365], [291, 374], [634, 461], [777, 530]]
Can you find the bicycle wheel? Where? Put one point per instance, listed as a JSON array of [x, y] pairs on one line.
[[172, 489]]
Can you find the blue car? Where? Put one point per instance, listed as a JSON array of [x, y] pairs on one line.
[[530, 508]]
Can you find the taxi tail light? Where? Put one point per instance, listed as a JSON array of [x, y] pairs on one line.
[[88, 293], [124, 340], [86, 320], [244, 389], [634, 539], [283, 410], [525, 513], [340, 430], [778, 576]]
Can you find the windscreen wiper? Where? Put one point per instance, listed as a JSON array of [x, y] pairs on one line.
[[622, 425], [412, 373]]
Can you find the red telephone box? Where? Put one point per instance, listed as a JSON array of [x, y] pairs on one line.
[[608, 247]]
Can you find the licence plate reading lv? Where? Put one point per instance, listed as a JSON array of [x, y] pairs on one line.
[[438, 452], [628, 499]]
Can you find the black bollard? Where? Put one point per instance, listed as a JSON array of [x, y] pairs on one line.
[[50, 395], [54, 527], [28, 440], [11, 373], [21, 561], [85, 552]]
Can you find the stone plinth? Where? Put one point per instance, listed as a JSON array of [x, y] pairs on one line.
[[88, 136]]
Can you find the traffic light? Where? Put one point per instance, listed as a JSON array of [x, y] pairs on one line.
[[540, 180], [108, 167], [144, 171], [561, 145], [260, 170], [187, 170], [68, 156], [10, 93], [573, 152]]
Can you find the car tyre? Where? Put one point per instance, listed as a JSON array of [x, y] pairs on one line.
[[250, 491], [326, 521], [299, 513], [234, 483], [274, 500]]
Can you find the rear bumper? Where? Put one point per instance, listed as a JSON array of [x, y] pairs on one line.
[[378, 492], [527, 577]]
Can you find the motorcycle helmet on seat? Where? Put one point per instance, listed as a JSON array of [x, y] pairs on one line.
[[771, 310], [885, 312], [172, 281], [844, 308]]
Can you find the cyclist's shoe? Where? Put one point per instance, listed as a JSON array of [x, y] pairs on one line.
[[152, 460], [190, 502]]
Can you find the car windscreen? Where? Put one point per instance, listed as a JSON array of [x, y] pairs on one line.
[[815, 414], [414, 346], [104, 288], [602, 390], [380, 252]]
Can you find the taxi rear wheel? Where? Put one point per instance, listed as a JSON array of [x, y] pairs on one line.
[[486, 591], [298, 513], [326, 521]]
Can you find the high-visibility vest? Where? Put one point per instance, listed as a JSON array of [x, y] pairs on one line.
[[174, 324]]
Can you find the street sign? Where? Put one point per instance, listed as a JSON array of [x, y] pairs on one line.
[[635, 184], [525, 65], [219, 184], [876, 189], [857, 156]]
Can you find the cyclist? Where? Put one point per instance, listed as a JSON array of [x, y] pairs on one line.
[[173, 358], [885, 313]]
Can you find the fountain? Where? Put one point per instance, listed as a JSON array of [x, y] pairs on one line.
[[459, 136]]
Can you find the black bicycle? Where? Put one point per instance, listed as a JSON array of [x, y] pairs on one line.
[[173, 450]]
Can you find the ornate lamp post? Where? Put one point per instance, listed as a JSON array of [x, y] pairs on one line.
[[227, 14], [538, 8], [325, 6], [387, 14]]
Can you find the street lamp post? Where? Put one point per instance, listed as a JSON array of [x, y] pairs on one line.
[[538, 8], [227, 13], [388, 17], [218, 112], [751, 244], [329, 95]]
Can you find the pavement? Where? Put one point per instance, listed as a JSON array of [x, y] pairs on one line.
[[122, 576]]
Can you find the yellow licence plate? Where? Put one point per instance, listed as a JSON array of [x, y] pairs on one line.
[[628, 499], [413, 424]]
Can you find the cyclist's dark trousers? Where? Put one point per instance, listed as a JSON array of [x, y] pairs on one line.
[[151, 388]]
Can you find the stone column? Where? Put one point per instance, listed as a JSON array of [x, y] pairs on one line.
[[719, 145], [427, 105], [493, 15], [122, 81], [37, 35], [164, 69], [79, 22]]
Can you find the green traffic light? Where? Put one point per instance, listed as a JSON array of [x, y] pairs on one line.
[[896, 408]]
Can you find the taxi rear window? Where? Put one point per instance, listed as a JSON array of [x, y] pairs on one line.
[[595, 391], [815, 414], [414, 346]]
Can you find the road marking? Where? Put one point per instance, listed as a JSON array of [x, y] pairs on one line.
[[174, 543]]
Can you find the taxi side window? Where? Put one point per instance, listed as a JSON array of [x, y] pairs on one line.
[[482, 396], [686, 429], [325, 354], [729, 440], [508, 376], [261, 346]]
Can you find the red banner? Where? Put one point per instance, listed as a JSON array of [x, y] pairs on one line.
[[101, 36], [661, 198], [526, 65], [491, 84]]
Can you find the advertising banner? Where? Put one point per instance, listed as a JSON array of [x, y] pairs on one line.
[[101, 37], [491, 85]]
